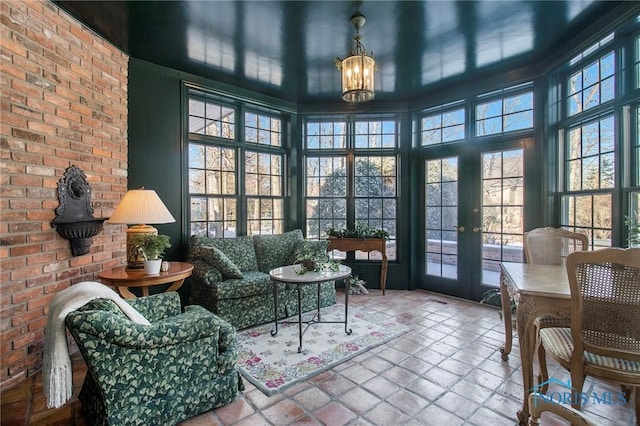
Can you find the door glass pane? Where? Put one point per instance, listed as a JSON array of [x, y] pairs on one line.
[[502, 211], [441, 197]]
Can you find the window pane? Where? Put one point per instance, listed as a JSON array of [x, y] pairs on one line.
[[445, 127], [262, 129], [502, 211], [592, 85], [441, 217], [505, 115]]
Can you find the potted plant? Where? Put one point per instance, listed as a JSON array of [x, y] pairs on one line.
[[494, 297], [152, 248], [361, 230], [311, 260]]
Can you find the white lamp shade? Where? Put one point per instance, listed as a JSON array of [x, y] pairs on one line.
[[141, 206]]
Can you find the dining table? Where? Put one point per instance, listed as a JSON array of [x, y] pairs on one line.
[[538, 290]]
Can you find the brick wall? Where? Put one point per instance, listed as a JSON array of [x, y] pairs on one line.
[[64, 102]]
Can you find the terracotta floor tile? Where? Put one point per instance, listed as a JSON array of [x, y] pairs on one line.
[[457, 404], [334, 414], [415, 365], [428, 390], [381, 386], [360, 400], [400, 375], [386, 415], [284, 412], [434, 415], [206, 419], [441, 376], [234, 411], [312, 398], [485, 416], [407, 402], [336, 385], [358, 373]]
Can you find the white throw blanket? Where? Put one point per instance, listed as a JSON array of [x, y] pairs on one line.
[[56, 374]]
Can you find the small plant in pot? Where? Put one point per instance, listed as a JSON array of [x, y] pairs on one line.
[[152, 248], [311, 260]]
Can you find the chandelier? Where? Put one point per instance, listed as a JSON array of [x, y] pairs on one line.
[[358, 83]]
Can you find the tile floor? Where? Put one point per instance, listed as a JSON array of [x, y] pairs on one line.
[[446, 371]]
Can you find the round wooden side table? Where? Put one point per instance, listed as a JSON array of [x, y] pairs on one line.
[[123, 280]]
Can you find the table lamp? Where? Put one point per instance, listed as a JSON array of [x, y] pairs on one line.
[[140, 208]]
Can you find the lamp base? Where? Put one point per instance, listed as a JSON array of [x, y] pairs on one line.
[[135, 259]]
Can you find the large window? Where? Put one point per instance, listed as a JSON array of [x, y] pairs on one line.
[[351, 176], [597, 149], [236, 169]]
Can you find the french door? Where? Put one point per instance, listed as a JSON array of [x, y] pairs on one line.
[[473, 218]]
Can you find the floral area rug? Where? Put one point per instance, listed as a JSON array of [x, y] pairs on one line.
[[273, 363]]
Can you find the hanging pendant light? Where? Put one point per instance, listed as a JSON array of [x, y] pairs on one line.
[[358, 68]]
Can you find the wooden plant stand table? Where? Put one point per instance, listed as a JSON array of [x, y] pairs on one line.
[[123, 280], [366, 245]]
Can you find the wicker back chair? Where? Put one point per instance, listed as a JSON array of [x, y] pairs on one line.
[[551, 246], [604, 338], [545, 246]]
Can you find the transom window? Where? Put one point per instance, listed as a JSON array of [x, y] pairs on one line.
[[505, 115], [443, 127]]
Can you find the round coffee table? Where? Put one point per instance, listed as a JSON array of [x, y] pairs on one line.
[[291, 275], [123, 280]]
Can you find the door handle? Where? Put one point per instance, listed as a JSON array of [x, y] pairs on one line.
[[461, 228], [476, 229]]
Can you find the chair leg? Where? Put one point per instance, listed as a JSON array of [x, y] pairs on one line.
[[577, 382], [636, 397], [543, 377]]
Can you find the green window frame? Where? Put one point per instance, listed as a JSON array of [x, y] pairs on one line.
[[236, 167], [351, 176]]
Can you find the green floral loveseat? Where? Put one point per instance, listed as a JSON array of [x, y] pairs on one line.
[[181, 365], [231, 277]]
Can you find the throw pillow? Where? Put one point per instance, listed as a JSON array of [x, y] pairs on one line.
[[216, 258]]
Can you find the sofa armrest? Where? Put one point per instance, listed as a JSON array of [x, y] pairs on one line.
[[205, 273], [112, 328], [227, 346]]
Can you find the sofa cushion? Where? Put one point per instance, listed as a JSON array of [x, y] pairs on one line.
[[273, 251], [239, 250], [318, 248], [216, 258], [253, 283]]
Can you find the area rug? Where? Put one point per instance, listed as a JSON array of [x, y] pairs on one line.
[[273, 363]]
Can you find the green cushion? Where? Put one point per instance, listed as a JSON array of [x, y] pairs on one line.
[[239, 250], [273, 251], [219, 260]]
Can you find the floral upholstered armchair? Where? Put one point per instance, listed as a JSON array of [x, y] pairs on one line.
[[180, 365]]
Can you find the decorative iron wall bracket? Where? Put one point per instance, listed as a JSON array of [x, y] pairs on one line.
[[74, 219]]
